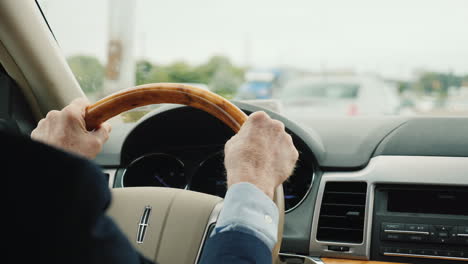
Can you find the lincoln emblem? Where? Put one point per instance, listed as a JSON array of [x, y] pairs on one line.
[[143, 225]]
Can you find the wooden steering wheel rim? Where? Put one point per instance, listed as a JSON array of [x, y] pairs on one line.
[[157, 93]]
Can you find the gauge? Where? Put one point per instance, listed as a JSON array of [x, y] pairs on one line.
[[210, 177], [159, 170], [298, 185]]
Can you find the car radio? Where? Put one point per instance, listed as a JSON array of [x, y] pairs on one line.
[[420, 224]]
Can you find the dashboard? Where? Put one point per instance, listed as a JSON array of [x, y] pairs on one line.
[[356, 180], [189, 154]]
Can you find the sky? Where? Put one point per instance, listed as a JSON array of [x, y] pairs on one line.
[[395, 38]]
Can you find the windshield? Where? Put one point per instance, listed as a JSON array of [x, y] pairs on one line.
[[408, 57]]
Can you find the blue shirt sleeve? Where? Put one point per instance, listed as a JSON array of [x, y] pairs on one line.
[[247, 209]]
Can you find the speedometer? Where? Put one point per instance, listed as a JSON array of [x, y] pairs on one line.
[[159, 170], [210, 178]]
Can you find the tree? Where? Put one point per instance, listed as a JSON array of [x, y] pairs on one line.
[[225, 82], [88, 71], [438, 83], [181, 72], [222, 76], [208, 70], [143, 70]]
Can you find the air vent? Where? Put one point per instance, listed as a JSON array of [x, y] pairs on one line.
[[342, 212]]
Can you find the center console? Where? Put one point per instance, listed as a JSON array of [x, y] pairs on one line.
[[420, 224]]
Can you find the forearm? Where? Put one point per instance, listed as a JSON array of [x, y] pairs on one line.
[[246, 231]]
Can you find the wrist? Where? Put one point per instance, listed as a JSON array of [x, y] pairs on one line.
[[265, 188], [269, 192]]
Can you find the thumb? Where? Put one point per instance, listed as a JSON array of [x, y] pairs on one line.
[[102, 133]]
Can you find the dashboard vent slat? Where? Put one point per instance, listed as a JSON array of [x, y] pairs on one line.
[[342, 212]]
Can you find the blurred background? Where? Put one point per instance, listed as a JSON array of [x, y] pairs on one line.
[[302, 58]]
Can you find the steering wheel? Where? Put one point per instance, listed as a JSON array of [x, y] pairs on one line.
[[165, 224]]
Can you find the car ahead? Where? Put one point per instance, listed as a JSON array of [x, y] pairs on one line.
[[264, 83], [339, 95]]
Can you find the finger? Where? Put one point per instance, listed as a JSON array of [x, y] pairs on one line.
[[78, 106], [52, 114], [230, 142], [255, 119], [41, 122], [277, 126], [289, 139], [107, 127], [102, 133], [76, 111], [258, 116]]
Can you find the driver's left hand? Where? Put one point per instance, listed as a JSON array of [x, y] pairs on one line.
[[66, 130]]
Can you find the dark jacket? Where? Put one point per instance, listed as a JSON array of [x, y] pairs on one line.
[[56, 213]]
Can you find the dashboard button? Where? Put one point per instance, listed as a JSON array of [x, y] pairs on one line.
[[401, 250], [386, 250], [393, 226], [443, 228], [338, 248], [391, 250], [417, 227], [453, 235], [416, 238], [440, 240], [432, 231], [429, 252], [460, 254], [451, 253], [393, 237], [443, 234], [421, 252]]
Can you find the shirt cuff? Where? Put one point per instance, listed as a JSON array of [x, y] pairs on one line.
[[247, 209]]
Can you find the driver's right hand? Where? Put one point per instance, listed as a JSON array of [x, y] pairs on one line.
[[261, 153]]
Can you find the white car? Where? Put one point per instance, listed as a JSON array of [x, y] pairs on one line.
[[353, 95]]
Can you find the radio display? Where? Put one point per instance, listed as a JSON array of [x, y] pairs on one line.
[[453, 202]]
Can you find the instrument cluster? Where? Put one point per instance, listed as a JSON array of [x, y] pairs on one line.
[[204, 174]]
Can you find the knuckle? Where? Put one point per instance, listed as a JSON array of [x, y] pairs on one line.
[[34, 133], [230, 142], [106, 136], [41, 122], [103, 137], [69, 114], [95, 144], [52, 114], [227, 146], [295, 155], [259, 116], [277, 125]]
